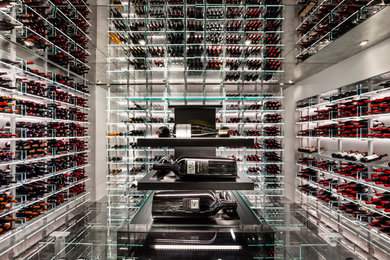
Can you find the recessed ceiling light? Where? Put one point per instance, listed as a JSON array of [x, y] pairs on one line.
[[290, 81], [281, 84], [363, 43], [248, 42], [142, 42]]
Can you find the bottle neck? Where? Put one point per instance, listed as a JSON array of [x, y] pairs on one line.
[[227, 204]]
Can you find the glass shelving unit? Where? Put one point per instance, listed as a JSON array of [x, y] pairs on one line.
[[166, 79], [357, 227], [27, 64]]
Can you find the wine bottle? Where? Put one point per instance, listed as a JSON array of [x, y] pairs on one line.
[[372, 158], [201, 167], [189, 205]]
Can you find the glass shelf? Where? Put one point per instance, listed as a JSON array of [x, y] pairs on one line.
[[31, 223], [46, 176], [30, 75], [327, 155], [200, 98], [47, 157], [22, 205], [111, 45]]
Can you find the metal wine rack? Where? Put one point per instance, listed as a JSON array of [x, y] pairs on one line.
[[354, 230]]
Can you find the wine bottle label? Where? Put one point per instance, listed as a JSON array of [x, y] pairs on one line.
[[191, 167], [199, 166], [371, 157], [190, 204]]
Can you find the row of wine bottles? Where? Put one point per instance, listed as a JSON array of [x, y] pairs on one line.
[[349, 129], [267, 157], [266, 118], [139, 120], [358, 156], [355, 168], [217, 64], [267, 144], [309, 149], [358, 107], [332, 165], [48, 87], [344, 93], [266, 105], [34, 210], [50, 129], [50, 92], [198, 12], [269, 26], [155, 158], [248, 77], [266, 131], [379, 176], [43, 91], [266, 170], [211, 51], [178, 38], [272, 170], [133, 171], [201, 2], [50, 110], [40, 148], [29, 171]]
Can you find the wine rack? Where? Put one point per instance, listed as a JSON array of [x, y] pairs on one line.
[[43, 117], [322, 22], [185, 40], [339, 189], [217, 53], [122, 142]]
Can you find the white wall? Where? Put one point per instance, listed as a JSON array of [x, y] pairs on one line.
[[98, 127], [98, 100], [370, 62]]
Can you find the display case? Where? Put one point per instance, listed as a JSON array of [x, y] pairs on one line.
[[342, 162]]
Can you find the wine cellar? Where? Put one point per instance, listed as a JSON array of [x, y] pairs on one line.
[[194, 129]]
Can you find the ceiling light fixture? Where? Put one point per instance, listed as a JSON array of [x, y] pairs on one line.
[[248, 42], [142, 42], [197, 247], [363, 43], [290, 82]]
